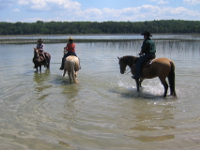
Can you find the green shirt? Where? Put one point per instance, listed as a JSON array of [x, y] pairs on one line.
[[148, 46]]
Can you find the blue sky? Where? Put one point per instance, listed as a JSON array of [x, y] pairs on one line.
[[98, 10]]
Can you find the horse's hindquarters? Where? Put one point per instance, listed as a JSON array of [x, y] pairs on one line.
[[71, 66], [76, 61]]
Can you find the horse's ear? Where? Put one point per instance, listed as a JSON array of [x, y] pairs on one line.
[[118, 57]]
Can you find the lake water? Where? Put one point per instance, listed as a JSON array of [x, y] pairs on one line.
[[43, 111]]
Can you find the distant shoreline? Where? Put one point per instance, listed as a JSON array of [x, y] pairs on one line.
[[60, 38]]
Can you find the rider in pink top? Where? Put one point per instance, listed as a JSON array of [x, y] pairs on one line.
[[70, 48]]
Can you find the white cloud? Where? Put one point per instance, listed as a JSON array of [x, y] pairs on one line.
[[144, 12], [193, 2], [6, 3], [16, 10], [163, 2], [33, 19], [23, 2], [160, 1], [44, 5], [70, 10]]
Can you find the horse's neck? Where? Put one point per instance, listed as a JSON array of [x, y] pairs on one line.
[[130, 60], [36, 54]]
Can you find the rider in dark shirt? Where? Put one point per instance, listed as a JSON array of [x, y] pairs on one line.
[[147, 52]]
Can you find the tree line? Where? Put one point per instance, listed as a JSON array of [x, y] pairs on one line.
[[108, 27]]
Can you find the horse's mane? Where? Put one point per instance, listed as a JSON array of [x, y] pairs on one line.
[[130, 60]]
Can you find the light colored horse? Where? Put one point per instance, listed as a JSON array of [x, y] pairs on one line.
[[160, 67], [72, 67]]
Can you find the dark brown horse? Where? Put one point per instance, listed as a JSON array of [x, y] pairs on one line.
[[39, 60], [160, 67]]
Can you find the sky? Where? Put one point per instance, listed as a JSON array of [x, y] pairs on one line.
[[98, 10]]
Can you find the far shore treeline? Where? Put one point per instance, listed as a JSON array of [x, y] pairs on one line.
[[108, 27]]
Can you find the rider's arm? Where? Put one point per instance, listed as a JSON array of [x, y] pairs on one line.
[[40, 47]]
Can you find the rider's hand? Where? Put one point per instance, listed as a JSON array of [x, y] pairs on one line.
[[140, 53]]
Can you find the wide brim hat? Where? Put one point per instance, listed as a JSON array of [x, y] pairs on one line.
[[40, 40], [70, 39], [146, 33]]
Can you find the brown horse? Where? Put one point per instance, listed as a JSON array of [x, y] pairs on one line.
[[160, 67], [72, 67], [39, 60]]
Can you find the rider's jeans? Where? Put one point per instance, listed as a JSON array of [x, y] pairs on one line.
[[140, 62]]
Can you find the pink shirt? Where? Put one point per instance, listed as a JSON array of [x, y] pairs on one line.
[[71, 47]]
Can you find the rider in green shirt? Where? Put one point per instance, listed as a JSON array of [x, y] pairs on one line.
[[147, 52]]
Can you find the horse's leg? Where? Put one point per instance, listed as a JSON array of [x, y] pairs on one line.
[[69, 75], [171, 87], [141, 82], [74, 77], [64, 72], [137, 84], [48, 61], [76, 73], [164, 83], [40, 68]]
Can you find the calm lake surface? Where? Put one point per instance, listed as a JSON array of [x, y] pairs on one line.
[[43, 111]]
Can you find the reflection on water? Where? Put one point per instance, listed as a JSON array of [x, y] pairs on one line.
[[41, 77], [104, 111], [40, 80]]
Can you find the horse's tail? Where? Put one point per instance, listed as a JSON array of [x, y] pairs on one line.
[[171, 78], [72, 70]]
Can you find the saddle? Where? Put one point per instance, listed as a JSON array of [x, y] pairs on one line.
[[147, 63]]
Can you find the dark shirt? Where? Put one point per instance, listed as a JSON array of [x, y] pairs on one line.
[[148, 46]]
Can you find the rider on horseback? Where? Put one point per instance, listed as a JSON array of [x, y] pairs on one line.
[[147, 52], [40, 48], [70, 49]]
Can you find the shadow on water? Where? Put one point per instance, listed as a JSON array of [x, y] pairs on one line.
[[143, 138]]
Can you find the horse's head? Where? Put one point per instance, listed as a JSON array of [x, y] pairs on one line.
[[126, 61], [36, 55], [122, 65]]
